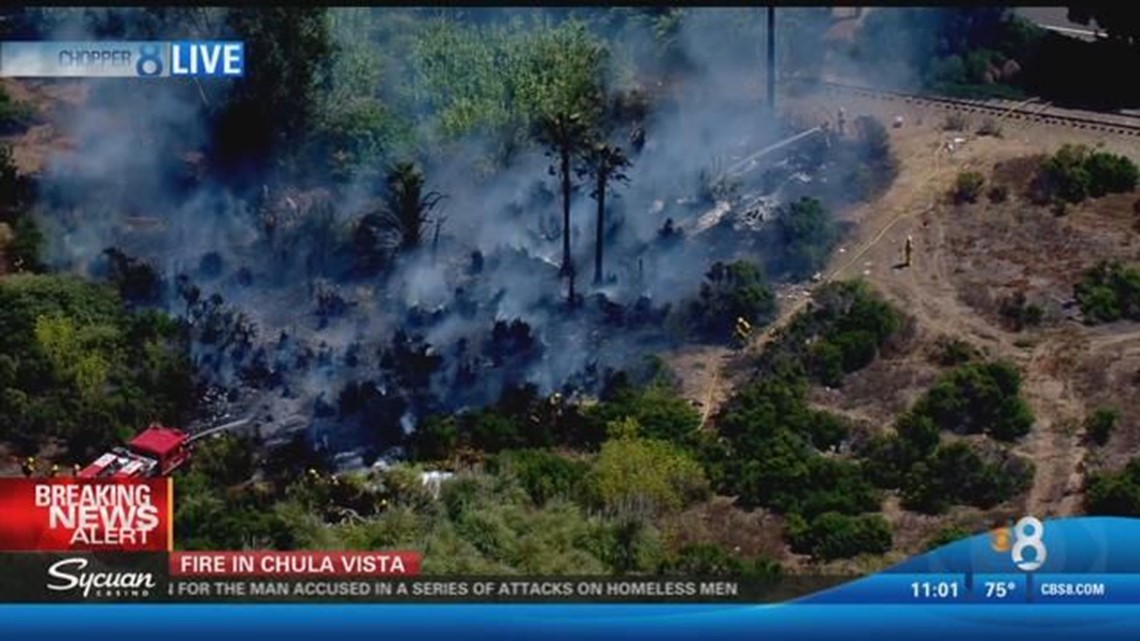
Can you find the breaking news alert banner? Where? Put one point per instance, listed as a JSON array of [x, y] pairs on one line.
[[76, 542]]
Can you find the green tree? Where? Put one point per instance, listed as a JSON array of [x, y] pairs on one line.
[[271, 111], [635, 475]]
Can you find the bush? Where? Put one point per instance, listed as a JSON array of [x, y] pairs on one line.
[[711, 559], [842, 333], [805, 234], [833, 536], [1115, 493], [1019, 313], [543, 474], [979, 398], [952, 351], [968, 187], [731, 291], [958, 474], [638, 476], [1099, 426], [1075, 173], [1109, 292]]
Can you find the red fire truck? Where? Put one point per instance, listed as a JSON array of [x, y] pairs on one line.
[[156, 451]]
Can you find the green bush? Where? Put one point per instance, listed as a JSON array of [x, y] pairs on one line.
[[805, 234], [968, 187], [956, 473], [1109, 292], [831, 536], [1075, 173], [543, 474], [979, 398], [1100, 425], [1115, 493], [731, 291], [711, 559]]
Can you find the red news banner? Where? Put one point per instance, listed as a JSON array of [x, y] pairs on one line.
[[86, 515]]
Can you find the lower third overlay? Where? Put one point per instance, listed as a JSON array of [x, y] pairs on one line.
[[343, 577]]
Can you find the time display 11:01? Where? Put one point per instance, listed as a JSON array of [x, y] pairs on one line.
[[934, 590]]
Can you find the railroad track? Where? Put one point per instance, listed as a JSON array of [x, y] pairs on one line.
[[1028, 111]]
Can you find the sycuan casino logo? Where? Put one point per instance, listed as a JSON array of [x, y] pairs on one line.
[[92, 515]]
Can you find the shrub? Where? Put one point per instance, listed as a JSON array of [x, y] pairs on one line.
[[952, 351], [968, 187], [1099, 426], [1019, 313], [831, 536], [1109, 292], [958, 474], [731, 291], [1075, 173], [1115, 493], [979, 398]]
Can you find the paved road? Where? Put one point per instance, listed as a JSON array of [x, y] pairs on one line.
[[1057, 19]]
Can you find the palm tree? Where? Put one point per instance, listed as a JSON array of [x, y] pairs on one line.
[[407, 208], [564, 135], [605, 163]]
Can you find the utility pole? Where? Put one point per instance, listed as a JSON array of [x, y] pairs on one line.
[[772, 58]]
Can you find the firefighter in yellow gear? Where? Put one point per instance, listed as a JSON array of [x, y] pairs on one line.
[[743, 331], [908, 251], [54, 470], [75, 469], [28, 467]]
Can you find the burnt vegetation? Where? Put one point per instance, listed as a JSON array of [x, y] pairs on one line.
[[388, 233]]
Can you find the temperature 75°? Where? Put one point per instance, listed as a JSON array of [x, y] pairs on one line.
[[999, 589]]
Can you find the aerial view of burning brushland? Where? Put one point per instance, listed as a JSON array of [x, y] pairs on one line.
[[584, 291]]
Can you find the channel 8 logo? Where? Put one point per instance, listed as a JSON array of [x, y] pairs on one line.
[[1025, 536], [150, 60]]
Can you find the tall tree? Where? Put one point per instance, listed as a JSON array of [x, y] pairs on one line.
[[604, 163], [565, 136], [407, 207], [271, 110]]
